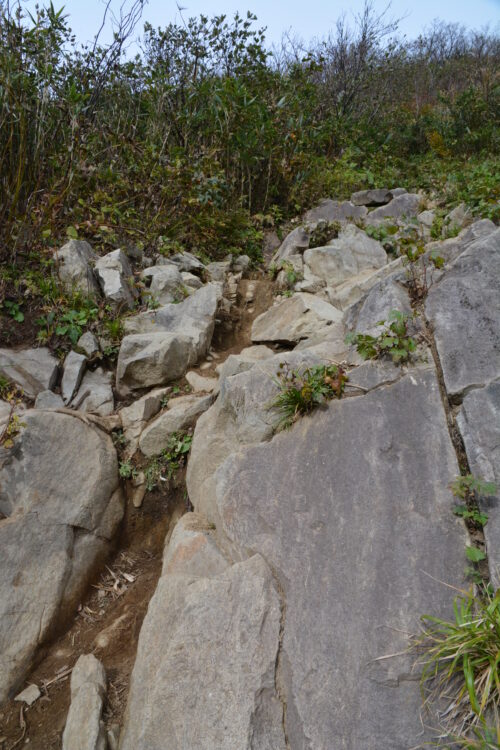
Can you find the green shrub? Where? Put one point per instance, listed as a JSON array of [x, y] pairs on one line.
[[394, 341]]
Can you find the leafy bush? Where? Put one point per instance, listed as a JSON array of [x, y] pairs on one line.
[[301, 391], [394, 341]]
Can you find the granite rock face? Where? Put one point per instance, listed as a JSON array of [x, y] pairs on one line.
[[60, 497]]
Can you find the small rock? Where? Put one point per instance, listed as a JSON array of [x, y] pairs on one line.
[[187, 262], [331, 211], [199, 383], [405, 205], [190, 281], [84, 729], [74, 367], [115, 277], [458, 218], [48, 400], [376, 197], [88, 344], [74, 267], [29, 695], [95, 394], [166, 283], [241, 264]]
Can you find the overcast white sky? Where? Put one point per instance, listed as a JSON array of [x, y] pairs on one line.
[[306, 19]]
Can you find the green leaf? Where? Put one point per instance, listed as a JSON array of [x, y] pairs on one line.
[[72, 233], [474, 554]]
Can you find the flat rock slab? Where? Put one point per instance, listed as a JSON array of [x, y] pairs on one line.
[[351, 510], [328, 210], [296, 318], [84, 729], [204, 676], [479, 423], [59, 493], [464, 309]]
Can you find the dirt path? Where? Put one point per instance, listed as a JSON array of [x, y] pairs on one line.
[[110, 617]]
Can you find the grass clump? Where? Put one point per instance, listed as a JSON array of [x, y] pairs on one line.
[[394, 341], [461, 668], [303, 391]]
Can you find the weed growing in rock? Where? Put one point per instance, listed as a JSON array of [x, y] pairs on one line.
[[171, 459], [127, 469], [394, 341], [419, 269], [324, 232], [470, 489], [461, 665], [302, 391]]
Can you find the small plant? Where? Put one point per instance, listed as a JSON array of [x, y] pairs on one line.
[[165, 466], [164, 401], [12, 429], [463, 485], [394, 340], [419, 269], [127, 470], [461, 664], [302, 391], [481, 519], [324, 232], [119, 439], [72, 323], [14, 310]]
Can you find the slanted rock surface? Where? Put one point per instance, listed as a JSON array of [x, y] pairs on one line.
[[205, 670], [60, 496], [464, 309], [33, 370], [296, 318], [307, 502], [84, 729]]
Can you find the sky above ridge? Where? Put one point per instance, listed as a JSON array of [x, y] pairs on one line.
[[306, 20]]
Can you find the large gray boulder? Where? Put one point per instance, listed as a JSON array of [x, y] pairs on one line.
[[74, 262], [164, 343], [33, 370], [116, 279], [358, 541], [479, 423], [296, 318], [328, 210], [84, 729], [405, 206], [204, 676], [348, 255], [464, 309], [150, 359], [59, 492]]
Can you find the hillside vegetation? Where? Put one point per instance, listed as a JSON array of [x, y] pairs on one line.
[[207, 136]]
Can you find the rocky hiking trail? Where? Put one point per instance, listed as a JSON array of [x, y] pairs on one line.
[[261, 594]]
